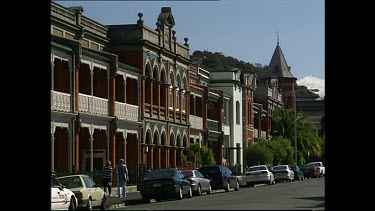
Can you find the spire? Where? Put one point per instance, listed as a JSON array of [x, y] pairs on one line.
[[278, 68], [277, 32]]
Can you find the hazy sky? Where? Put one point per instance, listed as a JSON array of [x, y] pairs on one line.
[[243, 29]]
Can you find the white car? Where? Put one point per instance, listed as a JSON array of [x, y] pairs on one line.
[[89, 195], [283, 173], [320, 166], [259, 174], [61, 197]]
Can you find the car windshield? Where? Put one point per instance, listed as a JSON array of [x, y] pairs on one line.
[[70, 182], [187, 173], [279, 168], [163, 173], [257, 168]]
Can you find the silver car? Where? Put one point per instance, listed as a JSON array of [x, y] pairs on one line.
[[198, 182]]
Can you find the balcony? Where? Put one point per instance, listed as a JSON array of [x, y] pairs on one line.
[[213, 125], [92, 104], [196, 122], [60, 101], [127, 111]]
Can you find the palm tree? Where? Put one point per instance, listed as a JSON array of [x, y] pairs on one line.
[[307, 139]]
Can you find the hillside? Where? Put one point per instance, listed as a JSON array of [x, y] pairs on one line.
[[218, 61], [208, 60]]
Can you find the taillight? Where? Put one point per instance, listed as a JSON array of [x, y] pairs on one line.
[[222, 178], [191, 181], [78, 194]]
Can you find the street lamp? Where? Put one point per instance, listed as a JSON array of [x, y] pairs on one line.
[[295, 121]]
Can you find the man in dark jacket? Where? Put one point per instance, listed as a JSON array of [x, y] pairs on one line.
[[107, 177]]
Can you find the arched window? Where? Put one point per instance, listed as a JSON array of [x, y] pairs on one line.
[[171, 83], [238, 111]]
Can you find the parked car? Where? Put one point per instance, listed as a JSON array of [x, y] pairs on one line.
[[320, 166], [310, 171], [259, 175], [221, 177], [165, 183], [89, 195], [198, 182], [298, 173], [61, 197], [283, 173]]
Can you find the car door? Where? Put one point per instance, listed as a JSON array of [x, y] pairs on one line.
[[203, 181], [58, 196], [93, 191]]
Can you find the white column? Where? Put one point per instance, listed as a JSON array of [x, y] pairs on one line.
[[92, 153], [92, 88], [107, 136], [52, 71], [52, 152], [53, 128], [125, 135], [124, 88]]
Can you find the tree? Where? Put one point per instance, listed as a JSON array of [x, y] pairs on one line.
[[307, 139], [258, 154], [207, 156]]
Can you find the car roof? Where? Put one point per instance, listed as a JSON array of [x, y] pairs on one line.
[[74, 175]]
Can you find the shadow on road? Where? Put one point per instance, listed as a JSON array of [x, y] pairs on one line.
[[319, 198]]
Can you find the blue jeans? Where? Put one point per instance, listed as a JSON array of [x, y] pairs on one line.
[[121, 185]]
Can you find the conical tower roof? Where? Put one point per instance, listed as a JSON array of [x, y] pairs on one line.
[[278, 68]]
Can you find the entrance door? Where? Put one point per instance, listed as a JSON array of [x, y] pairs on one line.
[[99, 160]]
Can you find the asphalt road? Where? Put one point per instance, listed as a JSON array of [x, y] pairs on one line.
[[298, 195]]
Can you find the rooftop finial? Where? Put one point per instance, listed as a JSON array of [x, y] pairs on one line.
[[277, 32]]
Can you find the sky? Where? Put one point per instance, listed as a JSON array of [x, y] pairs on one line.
[[244, 29]]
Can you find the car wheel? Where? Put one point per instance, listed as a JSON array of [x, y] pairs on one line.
[[89, 205], [227, 187], [179, 194], [72, 205], [199, 192], [190, 193], [237, 188], [103, 205], [209, 189], [145, 199]]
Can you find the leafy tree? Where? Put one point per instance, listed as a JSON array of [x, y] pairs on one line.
[[207, 156], [282, 150], [258, 154], [307, 139]]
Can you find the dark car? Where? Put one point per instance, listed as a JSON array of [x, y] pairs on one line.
[[310, 171], [163, 184], [221, 177], [198, 182], [298, 173]]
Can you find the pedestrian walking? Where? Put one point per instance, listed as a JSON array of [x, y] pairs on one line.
[[107, 177], [122, 178]]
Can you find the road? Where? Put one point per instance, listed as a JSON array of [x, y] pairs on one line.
[[299, 195]]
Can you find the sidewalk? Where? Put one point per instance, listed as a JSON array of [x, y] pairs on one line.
[[132, 197]]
